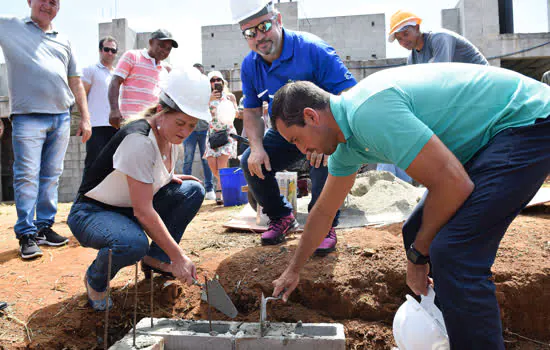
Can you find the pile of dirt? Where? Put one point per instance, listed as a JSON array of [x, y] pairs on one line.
[[377, 192], [361, 285]]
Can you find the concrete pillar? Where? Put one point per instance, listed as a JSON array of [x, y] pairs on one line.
[[289, 12], [450, 20], [480, 23]]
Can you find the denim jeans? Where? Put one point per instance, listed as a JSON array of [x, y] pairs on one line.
[[395, 170], [506, 173], [281, 155], [96, 227], [39, 145], [100, 137], [189, 146]]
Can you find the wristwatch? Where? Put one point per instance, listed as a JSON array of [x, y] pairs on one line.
[[416, 257]]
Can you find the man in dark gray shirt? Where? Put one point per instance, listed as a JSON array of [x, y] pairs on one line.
[[440, 46], [43, 82]]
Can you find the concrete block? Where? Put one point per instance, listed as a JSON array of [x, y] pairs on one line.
[[290, 336], [143, 342], [188, 334]]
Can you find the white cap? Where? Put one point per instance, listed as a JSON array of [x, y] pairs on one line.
[[216, 73], [248, 9], [187, 90]]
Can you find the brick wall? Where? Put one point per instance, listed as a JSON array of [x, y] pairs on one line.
[[73, 166]]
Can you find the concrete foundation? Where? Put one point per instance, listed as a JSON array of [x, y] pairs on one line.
[[143, 342], [196, 335]]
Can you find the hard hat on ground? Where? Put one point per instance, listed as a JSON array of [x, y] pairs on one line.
[[400, 20], [188, 91], [246, 10], [420, 326]]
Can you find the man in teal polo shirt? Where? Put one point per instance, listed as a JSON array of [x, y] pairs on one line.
[[475, 136]]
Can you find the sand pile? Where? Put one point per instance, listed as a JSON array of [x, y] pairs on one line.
[[377, 192]]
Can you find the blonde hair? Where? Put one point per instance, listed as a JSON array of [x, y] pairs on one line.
[[149, 113]]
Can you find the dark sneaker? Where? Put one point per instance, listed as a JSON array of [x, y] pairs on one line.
[[48, 236], [328, 245], [278, 229], [28, 247]]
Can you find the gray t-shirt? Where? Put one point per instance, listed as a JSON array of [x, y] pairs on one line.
[[446, 46], [39, 64]]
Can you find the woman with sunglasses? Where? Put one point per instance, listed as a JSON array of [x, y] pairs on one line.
[[131, 193], [219, 157]]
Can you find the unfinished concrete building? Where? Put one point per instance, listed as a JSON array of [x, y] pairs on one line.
[[360, 40]]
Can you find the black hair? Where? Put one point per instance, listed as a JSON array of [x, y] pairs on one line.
[[107, 38], [291, 100]]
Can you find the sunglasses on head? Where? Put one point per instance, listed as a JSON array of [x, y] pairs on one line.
[[264, 27], [108, 49], [215, 80]]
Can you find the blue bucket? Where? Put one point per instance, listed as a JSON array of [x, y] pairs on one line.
[[233, 180]]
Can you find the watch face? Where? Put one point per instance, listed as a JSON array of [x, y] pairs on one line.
[[415, 257]]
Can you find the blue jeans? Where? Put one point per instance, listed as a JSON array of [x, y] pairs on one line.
[[281, 155], [39, 145], [507, 173], [97, 227], [395, 170], [189, 146]]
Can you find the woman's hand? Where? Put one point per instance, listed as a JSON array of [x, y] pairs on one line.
[[215, 95], [179, 179], [184, 269], [286, 283]]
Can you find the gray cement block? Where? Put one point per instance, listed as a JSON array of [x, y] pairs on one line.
[[188, 334], [290, 336]]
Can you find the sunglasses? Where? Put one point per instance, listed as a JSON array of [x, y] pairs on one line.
[[264, 27], [215, 80], [108, 49]]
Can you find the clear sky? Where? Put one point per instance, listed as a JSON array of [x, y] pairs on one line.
[[79, 19]]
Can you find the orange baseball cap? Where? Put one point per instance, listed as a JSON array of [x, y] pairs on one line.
[[400, 20]]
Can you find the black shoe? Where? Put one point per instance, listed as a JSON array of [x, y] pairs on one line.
[[148, 271], [48, 236], [28, 247], [3, 305]]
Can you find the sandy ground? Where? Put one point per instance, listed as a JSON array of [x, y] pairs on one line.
[[361, 285]]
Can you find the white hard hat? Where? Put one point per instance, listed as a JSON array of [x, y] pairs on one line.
[[420, 326], [245, 9], [189, 91]]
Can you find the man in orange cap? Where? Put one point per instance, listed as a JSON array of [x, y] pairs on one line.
[[441, 46]]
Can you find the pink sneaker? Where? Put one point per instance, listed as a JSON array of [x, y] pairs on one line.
[[278, 229], [328, 245]]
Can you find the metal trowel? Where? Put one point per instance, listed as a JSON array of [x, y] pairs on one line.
[[217, 297]]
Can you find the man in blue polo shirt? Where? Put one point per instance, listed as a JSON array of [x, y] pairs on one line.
[[475, 136], [279, 56]]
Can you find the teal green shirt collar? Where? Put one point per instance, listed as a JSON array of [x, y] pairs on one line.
[[340, 116]]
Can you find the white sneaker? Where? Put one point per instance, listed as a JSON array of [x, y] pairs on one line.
[[211, 196]]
